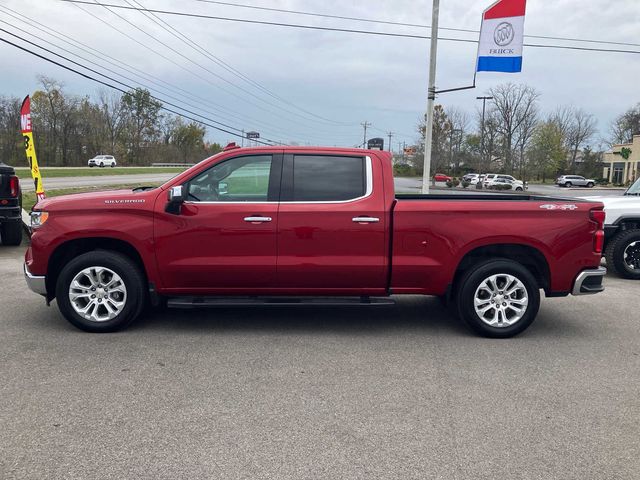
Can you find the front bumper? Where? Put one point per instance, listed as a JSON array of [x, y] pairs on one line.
[[36, 283], [589, 282]]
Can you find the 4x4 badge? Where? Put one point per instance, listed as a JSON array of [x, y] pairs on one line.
[[567, 206]]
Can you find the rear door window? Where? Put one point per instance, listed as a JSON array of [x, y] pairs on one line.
[[328, 178]]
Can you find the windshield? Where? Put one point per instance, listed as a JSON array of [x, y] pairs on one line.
[[634, 189]]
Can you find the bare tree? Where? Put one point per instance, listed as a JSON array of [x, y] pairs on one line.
[[626, 126], [114, 116], [583, 128], [513, 105]]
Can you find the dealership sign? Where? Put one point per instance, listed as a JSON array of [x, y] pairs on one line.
[[501, 37]]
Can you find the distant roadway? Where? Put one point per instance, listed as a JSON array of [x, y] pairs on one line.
[[404, 185]]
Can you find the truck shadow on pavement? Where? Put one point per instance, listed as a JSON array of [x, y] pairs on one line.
[[415, 315]]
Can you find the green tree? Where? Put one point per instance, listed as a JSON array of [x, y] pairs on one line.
[[142, 112], [547, 152], [188, 138]]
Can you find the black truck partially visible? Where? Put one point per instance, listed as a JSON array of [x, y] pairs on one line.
[[10, 206]]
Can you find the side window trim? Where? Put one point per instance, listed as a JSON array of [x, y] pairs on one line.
[[287, 183], [273, 192]]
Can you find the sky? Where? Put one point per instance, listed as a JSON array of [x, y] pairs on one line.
[[318, 87]]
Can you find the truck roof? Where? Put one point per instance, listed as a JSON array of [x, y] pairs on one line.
[[309, 149]]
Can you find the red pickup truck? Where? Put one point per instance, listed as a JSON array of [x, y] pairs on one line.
[[291, 225]]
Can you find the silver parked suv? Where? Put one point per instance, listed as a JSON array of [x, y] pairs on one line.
[[575, 181]]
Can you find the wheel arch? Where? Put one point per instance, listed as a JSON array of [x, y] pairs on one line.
[[530, 257], [72, 248]]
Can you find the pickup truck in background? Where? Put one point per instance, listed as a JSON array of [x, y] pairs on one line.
[[622, 231], [10, 206], [292, 225]]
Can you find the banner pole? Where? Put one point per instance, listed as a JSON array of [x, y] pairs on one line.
[[431, 97]]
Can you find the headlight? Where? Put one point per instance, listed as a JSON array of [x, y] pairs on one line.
[[38, 219]]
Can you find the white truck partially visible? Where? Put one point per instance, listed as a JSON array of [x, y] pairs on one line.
[[622, 232]]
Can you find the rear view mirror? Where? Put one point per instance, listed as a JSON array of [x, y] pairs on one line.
[[176, 199]]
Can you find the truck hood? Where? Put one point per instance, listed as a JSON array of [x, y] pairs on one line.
[[99, 200], [618, 206]]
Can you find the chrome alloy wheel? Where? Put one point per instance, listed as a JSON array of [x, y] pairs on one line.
[[501, 300], [97, 294], [631, 255]]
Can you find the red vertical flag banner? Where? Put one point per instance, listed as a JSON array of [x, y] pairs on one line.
[[27, 136]]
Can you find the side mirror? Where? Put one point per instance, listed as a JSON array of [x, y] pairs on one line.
[[176, 199]]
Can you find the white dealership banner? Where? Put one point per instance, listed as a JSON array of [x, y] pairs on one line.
[[501, 37]]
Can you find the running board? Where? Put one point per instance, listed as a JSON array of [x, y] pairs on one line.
[[201, 302]]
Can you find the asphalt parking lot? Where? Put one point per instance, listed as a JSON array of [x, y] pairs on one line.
[[401, 392]]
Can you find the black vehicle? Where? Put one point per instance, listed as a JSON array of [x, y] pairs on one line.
[[10, 206]]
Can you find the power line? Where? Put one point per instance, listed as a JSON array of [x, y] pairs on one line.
[[403, 24], [198, 48], [345, 30], [66, 67], [199, 65], [119, 64], [103, 67]]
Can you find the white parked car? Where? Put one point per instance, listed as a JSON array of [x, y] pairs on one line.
[[102, 161], [472, 178], [622, 232], [575, 181], [492, 180]]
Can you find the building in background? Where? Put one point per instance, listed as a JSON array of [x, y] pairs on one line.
[[622, 163]]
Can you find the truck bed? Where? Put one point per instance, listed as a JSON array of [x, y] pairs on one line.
[[486, 197]]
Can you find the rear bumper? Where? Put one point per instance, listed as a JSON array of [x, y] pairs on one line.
[[589, 282], [36, 283], [10, 214]]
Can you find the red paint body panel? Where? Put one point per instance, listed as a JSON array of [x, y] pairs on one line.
[[315, 248], [432, 236]]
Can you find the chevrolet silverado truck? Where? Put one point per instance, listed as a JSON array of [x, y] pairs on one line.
[[622, 231], [308, 226], [10, 206]]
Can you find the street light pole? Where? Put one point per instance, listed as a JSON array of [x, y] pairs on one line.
[[484, 104], [431, 97]]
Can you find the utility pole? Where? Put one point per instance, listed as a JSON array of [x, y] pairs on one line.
[[484, 104], [431, 97], [365, 125], [390, 135]]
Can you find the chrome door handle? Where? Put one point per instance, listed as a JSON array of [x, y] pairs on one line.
[[257, 219], [365, 220]]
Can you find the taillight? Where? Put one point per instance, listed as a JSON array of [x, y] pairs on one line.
[[598, 215], [14, 186]]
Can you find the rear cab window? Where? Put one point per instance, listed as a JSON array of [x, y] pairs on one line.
[[326, 178]]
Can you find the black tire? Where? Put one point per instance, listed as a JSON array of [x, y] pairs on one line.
[[519, 189], [616, 250], [129, 273], [475, 276], [590, 185], [11, 233], [101, 165], [568, 184]]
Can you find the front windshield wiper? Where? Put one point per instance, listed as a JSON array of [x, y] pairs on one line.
[[143, 189]]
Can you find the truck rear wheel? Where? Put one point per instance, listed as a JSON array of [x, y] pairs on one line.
[[11, 233], [100, 291], [623, 254], [498, 298]]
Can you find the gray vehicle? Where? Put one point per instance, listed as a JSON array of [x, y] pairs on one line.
[[575, 181]]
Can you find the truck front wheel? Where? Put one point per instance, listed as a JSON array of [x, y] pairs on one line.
[[11, 233], [623, 254], [100, 291], [498, 298]]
